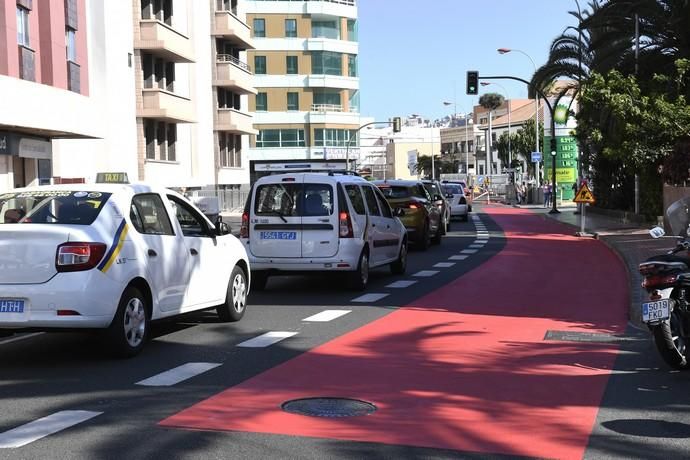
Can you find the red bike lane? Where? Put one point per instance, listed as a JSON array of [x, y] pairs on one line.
[[466, 367]]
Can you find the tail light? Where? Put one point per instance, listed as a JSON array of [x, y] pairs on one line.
[[75, 257], [659, 280], [462, 200], [413, 206], [244, 229], [345, 225]]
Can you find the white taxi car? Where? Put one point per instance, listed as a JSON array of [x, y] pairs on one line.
[[307, 222], [113, 257]]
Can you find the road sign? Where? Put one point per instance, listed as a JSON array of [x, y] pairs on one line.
[[536, 157], [584, 195]]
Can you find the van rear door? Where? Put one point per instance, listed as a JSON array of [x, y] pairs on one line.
[[275, 222], [319, 218]]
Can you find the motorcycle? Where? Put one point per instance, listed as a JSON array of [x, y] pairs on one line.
[[666, 278]]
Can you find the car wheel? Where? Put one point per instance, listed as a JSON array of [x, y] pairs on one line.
[[448, 224], [400, 265], [259, 280], [358, 279], [236, 297], [424, 240], [129, 329], [439, 234]]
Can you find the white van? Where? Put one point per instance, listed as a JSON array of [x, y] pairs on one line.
[[320, 222]]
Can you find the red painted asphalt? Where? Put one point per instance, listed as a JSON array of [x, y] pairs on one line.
[[466, 367]]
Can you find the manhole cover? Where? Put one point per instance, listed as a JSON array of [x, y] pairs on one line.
[[329, 407]]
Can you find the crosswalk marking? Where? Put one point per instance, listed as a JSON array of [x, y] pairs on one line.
[[369, 298], [179, 374], [457, 257], [426, 273], [327, 315], [444, 265], [266, 339], [33, 431], [401, 284]]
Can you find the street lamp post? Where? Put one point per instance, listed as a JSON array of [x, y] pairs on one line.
[[467, 150], [536, 108]]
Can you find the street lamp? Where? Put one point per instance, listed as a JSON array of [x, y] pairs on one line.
[[467, 145], [536, 106], [510, 155]]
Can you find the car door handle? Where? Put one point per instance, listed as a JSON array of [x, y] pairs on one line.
[[152, 253], [194, 252]]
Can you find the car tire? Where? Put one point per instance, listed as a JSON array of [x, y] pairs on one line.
[[236, 297], [259, 280], [400, 265], [424, 240], [437, 237], [448, 225], [358, 279], [129, 330]]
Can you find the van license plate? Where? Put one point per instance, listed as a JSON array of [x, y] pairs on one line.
[[278, 235], [11, 306], [656, 311]]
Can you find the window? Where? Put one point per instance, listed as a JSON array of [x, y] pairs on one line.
[[351, 65], [259, 27], [228, 99], [291, 28], [325, 29], [355, 195], [326, 97], [51, 207], [190, 222], [158, 72], [261, 102], [280, 138], [384, 206], [230, 147], [335, 137], [160, 139], [354, 100], [352, 30], [161, 10], [291, 65], [370, 198], [293, 101], [318, 200], [326, 63], [259, 65], [148, 215], [277, 199], [23, 27], [71, 44]]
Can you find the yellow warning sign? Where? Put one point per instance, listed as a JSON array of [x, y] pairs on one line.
[[584, 195]]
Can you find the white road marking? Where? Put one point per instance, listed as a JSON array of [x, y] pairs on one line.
[[476, 246], [266, 339], [469, 251], [327, 315], [21, 337], [444, 265], [457, 257], [401, 284], [482, 237], [33, 431], [369, 298], [178, 374], [426, 273]]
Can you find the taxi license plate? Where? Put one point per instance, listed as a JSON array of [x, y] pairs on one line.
[[278, 235], [656, 311], [11, 306]]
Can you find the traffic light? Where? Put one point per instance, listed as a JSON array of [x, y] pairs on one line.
[[472, 82], [396, 124]]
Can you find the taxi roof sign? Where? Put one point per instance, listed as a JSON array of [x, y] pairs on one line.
[[112, 178], [584, 195]]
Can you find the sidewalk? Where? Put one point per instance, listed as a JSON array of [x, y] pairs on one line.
[[630, 241]]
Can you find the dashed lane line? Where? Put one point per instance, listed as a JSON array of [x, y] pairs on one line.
[[426, 273], [457, 257], [178, 374], [267, 339], [469, 251], [401, 284], [327, 315], [369, 298], [33, 431], [444, 265]]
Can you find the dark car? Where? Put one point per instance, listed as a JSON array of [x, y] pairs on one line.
[[436, 191], [421, 217]]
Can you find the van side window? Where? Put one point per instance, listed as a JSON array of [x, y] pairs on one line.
[[370, 198], [149, 216], [355, 195], [383, 204]]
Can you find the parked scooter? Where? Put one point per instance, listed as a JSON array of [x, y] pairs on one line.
[[667, 280]]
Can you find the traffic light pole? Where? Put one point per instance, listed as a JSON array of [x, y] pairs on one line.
[[347, 149], [554, 209]]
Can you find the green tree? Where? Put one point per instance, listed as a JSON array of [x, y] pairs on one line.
[[491, 101]]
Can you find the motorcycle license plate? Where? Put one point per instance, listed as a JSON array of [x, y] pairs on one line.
[[656, 311]]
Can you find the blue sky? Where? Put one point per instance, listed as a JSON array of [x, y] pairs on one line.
[[414, 54]]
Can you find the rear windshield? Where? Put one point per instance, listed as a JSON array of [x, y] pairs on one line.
[[395, 191], [454, 189], [51, 207], [432, 189], [294, 200]]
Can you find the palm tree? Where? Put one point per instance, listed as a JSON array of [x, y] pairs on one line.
[[490, 101]]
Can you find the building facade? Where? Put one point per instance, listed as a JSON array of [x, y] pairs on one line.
[[305, 66]]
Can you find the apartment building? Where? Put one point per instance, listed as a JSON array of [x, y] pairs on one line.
[[160, 92], [305, 66]]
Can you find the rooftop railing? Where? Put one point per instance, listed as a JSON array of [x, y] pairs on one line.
[[326, 108], [341, 2], [233, 60]]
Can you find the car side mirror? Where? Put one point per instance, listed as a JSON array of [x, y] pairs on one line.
[[398, 212], [222, 229]]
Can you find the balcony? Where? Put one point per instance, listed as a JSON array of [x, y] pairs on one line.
[[229, 25], [164, 41], [332, 114], [234, 121], [167, 106], [235, 74]]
